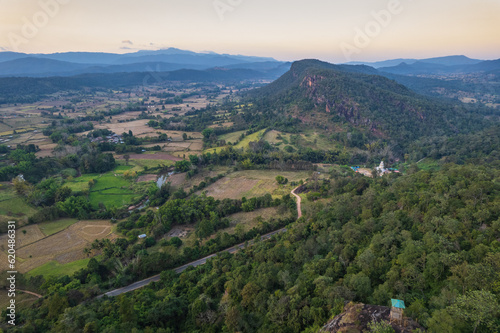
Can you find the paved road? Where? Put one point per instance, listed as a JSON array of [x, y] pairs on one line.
[[142, 283]]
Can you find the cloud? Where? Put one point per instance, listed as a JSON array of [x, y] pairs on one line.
[[126, 48], [127, 42], [3, 48]]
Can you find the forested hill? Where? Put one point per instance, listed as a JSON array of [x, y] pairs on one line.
[[356, 96]]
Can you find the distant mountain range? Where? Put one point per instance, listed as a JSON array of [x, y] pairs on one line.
[[74, 70], [14, 64], [74, 63], [446, 61], [441, 65]]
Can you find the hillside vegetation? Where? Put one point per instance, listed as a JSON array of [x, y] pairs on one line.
[[429, 238], [346, 95]]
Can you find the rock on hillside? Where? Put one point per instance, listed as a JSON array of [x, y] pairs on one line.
[[356, 317]]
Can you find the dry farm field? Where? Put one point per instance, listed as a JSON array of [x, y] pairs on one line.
[[252, 183], [63, 247]]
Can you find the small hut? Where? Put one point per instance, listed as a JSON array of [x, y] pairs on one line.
[[397, 310]]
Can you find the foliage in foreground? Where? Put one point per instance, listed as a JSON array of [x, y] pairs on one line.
[[429, 238]]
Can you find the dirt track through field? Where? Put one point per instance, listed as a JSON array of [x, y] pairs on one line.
[[299, 199], [153, 157]]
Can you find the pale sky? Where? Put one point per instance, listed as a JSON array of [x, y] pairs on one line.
[[330, 30]]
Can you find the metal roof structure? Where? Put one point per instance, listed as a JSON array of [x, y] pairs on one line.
[[396, 303]]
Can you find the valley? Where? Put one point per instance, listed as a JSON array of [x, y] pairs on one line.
[[246, 206]]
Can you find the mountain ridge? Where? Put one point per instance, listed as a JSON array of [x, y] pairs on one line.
[[373, 103]]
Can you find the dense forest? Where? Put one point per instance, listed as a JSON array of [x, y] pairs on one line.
[[429, 237]]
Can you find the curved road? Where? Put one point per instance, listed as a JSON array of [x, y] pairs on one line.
[[31, 293], [299, 199], [155, 278]]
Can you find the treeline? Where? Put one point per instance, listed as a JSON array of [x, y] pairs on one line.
[[62, 130], [34, 169], [478, 148]]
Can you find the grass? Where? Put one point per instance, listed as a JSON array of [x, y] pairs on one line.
[[81, 183], [112, 191], [120, 169], [109, 180], [429, 165], [249, 138], [6, 192], [138, 165], [231, 137], [16, 206], [51, 228], [53, 268], [308, 139]]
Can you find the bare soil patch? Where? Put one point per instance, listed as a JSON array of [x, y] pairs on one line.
[[365, 171], [177, 179], [253, 183], [180, 144], [232, 188], [198, 146], [147, 178], [33, 234], [178, 231], [138, 127]]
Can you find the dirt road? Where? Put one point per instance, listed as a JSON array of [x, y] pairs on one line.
[[299, 199]]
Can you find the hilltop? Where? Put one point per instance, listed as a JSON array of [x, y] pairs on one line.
[[357, 97]]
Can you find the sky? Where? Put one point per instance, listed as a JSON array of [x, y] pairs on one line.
[[330, 30]]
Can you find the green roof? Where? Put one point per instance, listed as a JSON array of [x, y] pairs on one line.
[[396, 303]]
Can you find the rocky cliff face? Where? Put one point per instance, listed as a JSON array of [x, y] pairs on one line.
[[340, 104], [356, 317]]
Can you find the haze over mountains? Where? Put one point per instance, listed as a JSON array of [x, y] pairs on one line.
[[441, 65], [74, 63], [28, 77], [172, 59]]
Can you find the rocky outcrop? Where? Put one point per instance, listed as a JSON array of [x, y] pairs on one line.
[[357, 316]]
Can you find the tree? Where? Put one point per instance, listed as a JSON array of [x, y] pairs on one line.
[[20, 185], [380, 327], [127, 158], [205, 228], [182, 166], [129, 174], [281, 180], [56, 305], [478, 307], [62, 194]]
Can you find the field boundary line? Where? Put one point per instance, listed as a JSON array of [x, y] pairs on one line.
[[38, 240]]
